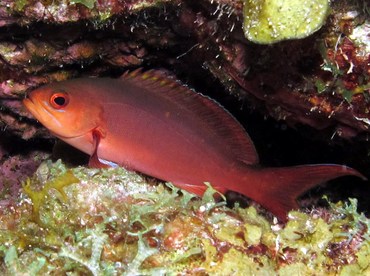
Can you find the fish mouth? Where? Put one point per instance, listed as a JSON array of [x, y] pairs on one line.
[[31, 107], [41, 113], [34, 110]]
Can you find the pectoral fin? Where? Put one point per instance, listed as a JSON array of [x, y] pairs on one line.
[[94, 161]]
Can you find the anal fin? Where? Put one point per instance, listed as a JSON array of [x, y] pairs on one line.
[[198, 189]]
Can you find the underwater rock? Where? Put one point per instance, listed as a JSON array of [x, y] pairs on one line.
[[321, 81], [111, 221], [17, 161]]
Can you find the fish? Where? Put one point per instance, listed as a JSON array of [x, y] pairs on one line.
[[149, 122]]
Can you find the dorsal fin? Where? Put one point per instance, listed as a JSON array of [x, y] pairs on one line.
[[216, 117]]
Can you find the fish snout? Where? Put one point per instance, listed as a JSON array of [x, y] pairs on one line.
[[27, 102], [30, 106]]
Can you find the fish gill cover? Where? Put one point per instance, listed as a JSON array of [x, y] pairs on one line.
[[113, 222]]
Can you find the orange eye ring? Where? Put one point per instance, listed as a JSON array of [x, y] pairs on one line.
[[59, 100]]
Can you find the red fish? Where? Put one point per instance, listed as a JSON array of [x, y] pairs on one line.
[[148, 122]]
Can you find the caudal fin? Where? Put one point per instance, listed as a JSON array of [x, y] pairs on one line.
[[278, 188]]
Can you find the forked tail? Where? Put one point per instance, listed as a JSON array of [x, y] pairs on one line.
[[277, 189]]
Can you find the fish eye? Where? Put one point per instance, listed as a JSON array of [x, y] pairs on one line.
[[59, 100]]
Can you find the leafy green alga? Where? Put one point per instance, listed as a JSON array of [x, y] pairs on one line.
[[113, 222]]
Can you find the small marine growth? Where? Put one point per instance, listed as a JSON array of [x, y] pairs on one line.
[[116, 222]]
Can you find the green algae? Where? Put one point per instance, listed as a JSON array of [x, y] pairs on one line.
[[269, 21], [112, 222], [87, 3], [38, 197], [20, 4]]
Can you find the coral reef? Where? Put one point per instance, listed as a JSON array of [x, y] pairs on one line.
[[321, 80], [111, 221]]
